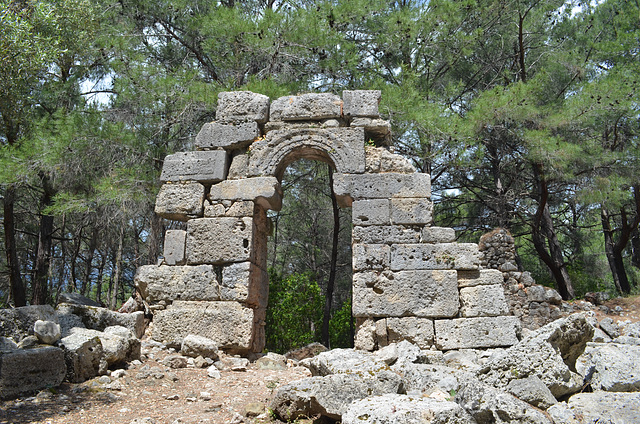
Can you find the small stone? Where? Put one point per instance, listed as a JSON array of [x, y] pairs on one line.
[[253, 409], [173, 397], [213, 372]]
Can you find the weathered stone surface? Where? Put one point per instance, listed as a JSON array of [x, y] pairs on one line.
[[83, 354], [361, 103], [242, 106], [459, 256], [349, 187], [378, 294], [437, 235], [411, 211], [611, 367], [533, 391], [470, 333], [480, 277], [238, 167], [17, 323], [403, 409], [168, 283], [235, 282], [610, 327], [118, 343], [418, 331], [330, 396], [371, 212], [379, 159], [483, 301], [265, 191], [205, 166], [311, 106], [219, 240], [101, 318], [365, 337], [343, 147], [180, 201], [174, 247], [597, 407], [214, 135], [344, 361], [376, 131], [388, 234], [549, 353], [28, 370], [47, 332], [427, 378], [228, 324], [489, 405], [370, 256], [272, 361], [7, 344], [76, 299]]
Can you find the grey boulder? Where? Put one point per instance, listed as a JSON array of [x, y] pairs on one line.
[[597, 407], [47, 332]]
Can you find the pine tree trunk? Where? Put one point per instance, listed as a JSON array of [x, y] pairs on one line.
[[18, 293], [93, 243], [118, 270], [43, 252]]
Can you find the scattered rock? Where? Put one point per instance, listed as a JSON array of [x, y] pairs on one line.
[[195, 346], [253, 409], [213, 372], [533, 391], [611, 367], [272, 361], [175, 361], [47, 332], [597, 407]]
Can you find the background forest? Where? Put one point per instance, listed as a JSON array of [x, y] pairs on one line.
[[525, 113]]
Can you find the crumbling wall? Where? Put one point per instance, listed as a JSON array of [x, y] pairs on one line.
[[411, 280]]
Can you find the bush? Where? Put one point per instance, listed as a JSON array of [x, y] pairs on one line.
[[341, 327]]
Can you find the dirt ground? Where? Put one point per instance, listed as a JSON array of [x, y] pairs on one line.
[[185, 395]]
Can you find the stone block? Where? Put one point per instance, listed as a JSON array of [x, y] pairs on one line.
[[100, 318], [229, 324], [418, 331], [174, 247], [29, 370], [18, 323], [159, 283], [419, 293], [370, 256], [411, 211], [239, 166], [219, 240], [242, 106], [344, 147], [388, 234], [475, 333], [349, 187], [479, 277], [235, 282], [237, 209], [437, 235], [180, 201], [265, 191], [379, 159], [483, 301], [459, 256], [206, 167], [214, 135], [83, 354], [361, 103], [365, 338], [311, 106], [47, 332], [370, 212]]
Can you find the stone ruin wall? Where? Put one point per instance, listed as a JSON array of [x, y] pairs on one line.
[[411, 280]]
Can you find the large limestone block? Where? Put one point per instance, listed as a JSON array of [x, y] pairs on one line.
[[418, 331], [472, 333], [403, 409], [28, 370], [229, 324], [331, 395], [206, 166], [118, 343], [612, 367], [18, 323], [549, 353], [219, 240], [411, 211], [311, 106], [458, 256], [180, 201], [343, 147], [597, 407], [265, 191], [100, 318], [371, 212], [370, 256], [242, 106], [483, 301], [215, 135], [349, 187], [479, 277], [361, 103], [388, 234], [83, 354], [174, 247], [419, 293], [437, 235], [168, 283]]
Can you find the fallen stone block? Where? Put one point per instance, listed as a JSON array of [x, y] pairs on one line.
[[345, 361], [76, 299], [235, 107], [473, 333], [459, 256], [99, 319], [265, 191], [215, 135], [403, 409], [28, 370], [118, 343], [168, 283], [84, 356], [180, 201], [597, 407], [377, 294], [311, 106], [18, 323], [206, 167], [533, 391], [429, 378], [611, 367]]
